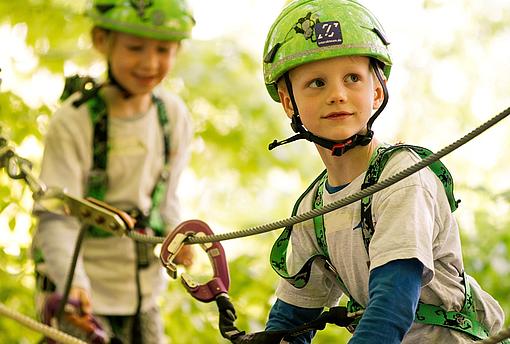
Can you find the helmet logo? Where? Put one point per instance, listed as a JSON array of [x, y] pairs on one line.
[[305, 26], [141, 5], [158, 18], [326, 33]]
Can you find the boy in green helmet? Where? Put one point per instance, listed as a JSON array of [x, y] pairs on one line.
[[396, 255], [125, 142]]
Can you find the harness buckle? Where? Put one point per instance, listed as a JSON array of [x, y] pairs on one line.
[[220, 281]]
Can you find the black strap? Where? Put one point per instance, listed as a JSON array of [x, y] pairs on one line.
[[227, 318], [335, 315]]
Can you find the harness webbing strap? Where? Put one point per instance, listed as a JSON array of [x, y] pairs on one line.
[[279, 251], [375, 168], [318, 221], [465, 321], [97, 177], [98, 180], [335, 315], [278, 256], [155, 220]]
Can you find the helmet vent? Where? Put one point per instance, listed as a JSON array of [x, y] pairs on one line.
[[269, 58], [381, 36]]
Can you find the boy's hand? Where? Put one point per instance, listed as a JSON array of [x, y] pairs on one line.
[[81, 295], [185, 256]]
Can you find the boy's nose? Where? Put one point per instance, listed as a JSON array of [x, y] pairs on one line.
[[150, 59], [337, 94]]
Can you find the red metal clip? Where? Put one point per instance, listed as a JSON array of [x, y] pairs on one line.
[[339, 148], [220, 282]]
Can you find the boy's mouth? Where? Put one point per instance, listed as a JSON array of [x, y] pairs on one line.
[[145, 79], [338, 114]]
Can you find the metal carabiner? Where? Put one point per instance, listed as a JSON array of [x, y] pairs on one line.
[[172, 244]]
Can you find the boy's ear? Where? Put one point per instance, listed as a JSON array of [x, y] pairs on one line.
[[285, 100], [378, 94], [100, 38]]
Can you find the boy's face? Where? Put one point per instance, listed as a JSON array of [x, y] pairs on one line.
[[335, 97], [138, 64]]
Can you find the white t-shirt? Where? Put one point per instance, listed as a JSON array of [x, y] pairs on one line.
[[106, 266], [412, 219]]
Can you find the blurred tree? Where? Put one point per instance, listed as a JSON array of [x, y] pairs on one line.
[[447, 81]]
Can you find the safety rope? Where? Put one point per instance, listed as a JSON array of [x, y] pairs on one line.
[[48, 331], [290, 221]]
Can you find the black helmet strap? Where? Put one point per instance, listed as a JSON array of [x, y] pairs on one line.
[[113, 81]]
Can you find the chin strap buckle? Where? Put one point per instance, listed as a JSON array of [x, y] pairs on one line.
[[340, 148]]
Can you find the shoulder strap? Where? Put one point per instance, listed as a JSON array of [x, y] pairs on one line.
[[320, 233], [374, 171], [98, 182], [155, 220], [278, 256]]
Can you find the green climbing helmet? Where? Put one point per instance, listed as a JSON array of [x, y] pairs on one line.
[[167, 20], [312, 30]]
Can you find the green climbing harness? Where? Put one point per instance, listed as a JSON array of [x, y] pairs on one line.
[[98, 181], [464, 321]]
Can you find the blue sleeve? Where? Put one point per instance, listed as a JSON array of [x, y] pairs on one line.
[[394, 291], [284, 316]]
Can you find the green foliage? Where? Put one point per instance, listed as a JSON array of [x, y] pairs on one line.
[[487, 248], [16, 293], [237, 183], [230, 114], [18, 121], [46, 21]]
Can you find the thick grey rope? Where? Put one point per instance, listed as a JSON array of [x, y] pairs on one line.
[[340, 203], [48, 331], [500, 336]]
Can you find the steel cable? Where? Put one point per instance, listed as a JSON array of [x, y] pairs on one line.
[[337, 204]]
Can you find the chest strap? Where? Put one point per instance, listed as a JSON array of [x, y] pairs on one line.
[[98, 180]]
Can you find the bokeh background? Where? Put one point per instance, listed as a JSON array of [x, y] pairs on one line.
[[450, 74]]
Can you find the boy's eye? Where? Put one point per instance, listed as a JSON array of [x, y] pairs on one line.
[[134, 47], [352, 78], [163, 49], [317, 83]]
